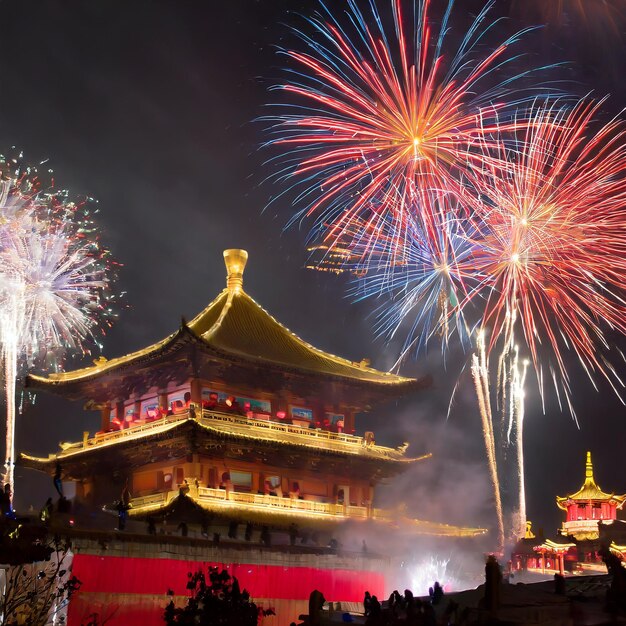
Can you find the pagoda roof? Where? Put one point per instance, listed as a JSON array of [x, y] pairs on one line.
[[590, 491], [554, 546], [235, 326]]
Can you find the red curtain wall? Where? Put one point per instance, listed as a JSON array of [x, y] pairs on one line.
[[134, 579]]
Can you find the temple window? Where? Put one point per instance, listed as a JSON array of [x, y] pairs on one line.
[[164, 481], [272, 486], [149, 409], [129, 413], [294, 489], [301, 416], [221, 400], [179, 400], [242, 481]]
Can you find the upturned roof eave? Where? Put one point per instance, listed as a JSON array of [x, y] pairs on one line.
[[376, 454], [599, 495], [398, 387], [207, 329]]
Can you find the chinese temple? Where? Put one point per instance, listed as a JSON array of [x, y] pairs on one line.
[[590, 525], [587, 507], [231, 418]]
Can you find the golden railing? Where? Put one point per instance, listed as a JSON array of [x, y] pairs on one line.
[[224, 498], [297, 434], [277, 427]]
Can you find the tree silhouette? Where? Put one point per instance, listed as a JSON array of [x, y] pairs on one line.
[[215, 600]]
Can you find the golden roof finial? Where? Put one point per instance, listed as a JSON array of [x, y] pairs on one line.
[[589, 469], [235, 261]]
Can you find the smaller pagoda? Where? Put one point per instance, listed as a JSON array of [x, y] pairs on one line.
[[588, 507]]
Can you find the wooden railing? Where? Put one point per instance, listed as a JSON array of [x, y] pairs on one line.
[[339, 440], [278, 427], [154, 500], [221, 497], [331, 440]]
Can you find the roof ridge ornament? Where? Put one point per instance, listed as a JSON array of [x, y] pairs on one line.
[[589, 469], [235, 260]]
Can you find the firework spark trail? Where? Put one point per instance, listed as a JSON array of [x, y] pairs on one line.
[[518, 381], [9, 330], [54, 277], [385, 114], [480, 373]]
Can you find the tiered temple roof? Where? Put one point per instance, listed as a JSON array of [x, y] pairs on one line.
[[590, 491], [233, 331]]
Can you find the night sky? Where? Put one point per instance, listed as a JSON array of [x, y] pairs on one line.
[[150, 108]]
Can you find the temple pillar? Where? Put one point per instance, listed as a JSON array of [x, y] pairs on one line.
[[349, 423], [319, 411], [370, 500], [119, 413], [163, 402], [196, 468], [357, 495], [280, 402], [255, 482], [196, 391], [105, 418]]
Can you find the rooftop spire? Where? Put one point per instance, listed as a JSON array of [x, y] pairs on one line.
[[589, 469], [235, 261]]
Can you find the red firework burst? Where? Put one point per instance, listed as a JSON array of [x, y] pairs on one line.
[[552, 255], [384, 115]]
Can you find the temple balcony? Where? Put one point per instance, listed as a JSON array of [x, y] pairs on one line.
[[242, 426], [584, 524], [240, 503]]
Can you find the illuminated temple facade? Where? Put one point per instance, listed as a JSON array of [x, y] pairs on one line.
[[591, 524], [236, 415], [588, 507]]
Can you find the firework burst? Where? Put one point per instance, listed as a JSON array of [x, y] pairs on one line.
[[54, 284], [419, 270], [553, 248], [385, 115], [458, 214]]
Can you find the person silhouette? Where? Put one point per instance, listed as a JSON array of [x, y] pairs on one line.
[[58, 480]]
